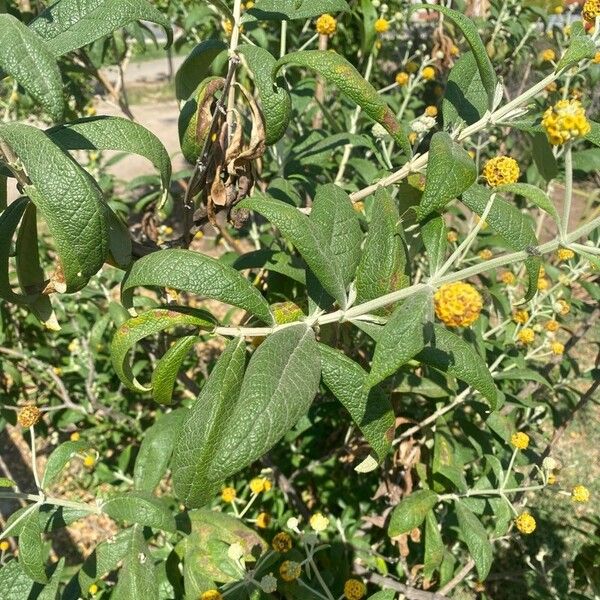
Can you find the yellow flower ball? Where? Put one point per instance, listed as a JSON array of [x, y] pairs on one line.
[[526, 336], [282, 542], [4, 545], [258, 485], [552, 325], [596, 59], [354, 589], [591, 10], [74, 437], [402, 78], [319, 522], [485, 254], [508, 278], [93, 589], [452, 236], [542, 283], [525, 523], [89, 461], [519, 440], [454, 50], [29, 416], [551, 87], [551, 479], [428, 73], [557, 348], [431, 111], [263, 520], [249, 5], [228, 494], [458, 304], [412, 137], [290, 570], [382, 25], [580, 494], [565, 121], [563, 254], [520, 316], [228, 26], [211, 595], [559, 10], [326, 25], [501, 170], [548, 55], [57, 371], [562, 307]]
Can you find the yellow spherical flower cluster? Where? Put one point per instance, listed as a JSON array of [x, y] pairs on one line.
[[228, 494], [354, 589], [526, 336], [382, 25], [520, 316], [4, 545], [428, 73], [557, 348], [485, 254], [211, 595], [431, 111], [525, 523], [519, 440], [452, 236], [564, 254], [29, 416], [580, 494], [501, 170], [562, 307], [89, 460], [548, 55], [260, 484], [263, 520], [319, 522], [74, 437], [591, 10], [326, 25], [402, 78], [290, 570], [552, 325], [565, 121], [282, 542], [508, 278], [93, 589], [458, 304]]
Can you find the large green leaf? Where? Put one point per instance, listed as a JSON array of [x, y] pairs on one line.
[[58, 460], [434, 546], [308, 239], [114, 133], [476, 538], [198, 274], [435, 240], [32, 555], [452, 355], [533, 194], [450, 171], [411, 512], [69, 200], [288, 10], [69, 24], [336, 70], [514, 227], [469, 30], [138, 577], [280, 383], [196, 67], [402, 338], [156, 449], [580, 48], [139, 507], [370, 409], [275, 101], [15, 584], [383, 263], [166, 370], [148, 323], [465, 99], [25, 56]]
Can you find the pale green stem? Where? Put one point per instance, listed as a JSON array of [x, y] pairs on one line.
[[491, 492], [34, 468], [510, 466], [568, 190], [282, 46], [247, 507], [309, 42]]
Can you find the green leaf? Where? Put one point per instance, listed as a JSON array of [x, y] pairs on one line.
[[272, 260], [166, 370], [510, 224], [370, 409], [288, 10], [50, 591], [476, 538], [434, 546], [385, 595], [135, 329], [139, 507], [383, 265], [68, 199], [450, 171], [435, 240], [201, 431], [594, 135], [198, 274], [452, 355], [411, 512], [402, 338], [308, 239], [275, 100], [138, 577], [59, 458], [114, 133], [280, 383], [25, 56], [156, 450], [580, 48], [196, 67], [337, 71], [15, 584], [465, 99], [532, 193], [543, 157], [32, 555], [71, 24], [469, 30], [5, 482]]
